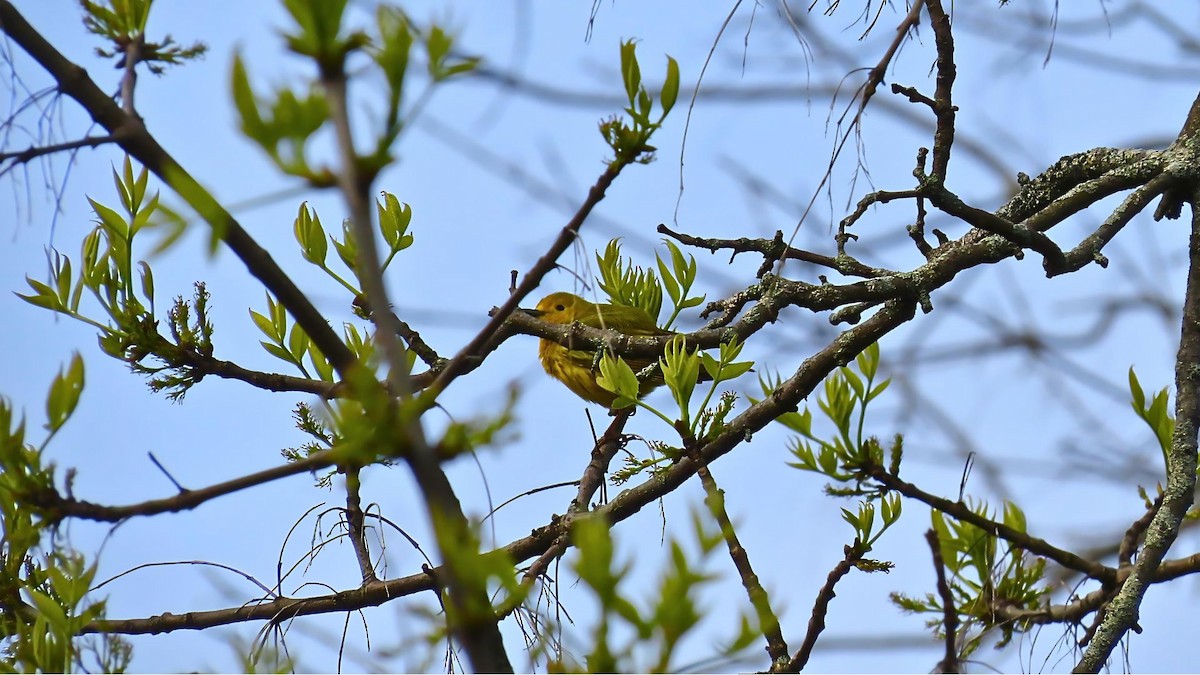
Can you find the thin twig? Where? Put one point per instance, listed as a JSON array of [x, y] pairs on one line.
[[768, 621], [949, 662], [816, 622], [355, 526]]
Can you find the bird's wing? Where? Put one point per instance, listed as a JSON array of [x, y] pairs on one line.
[[632, 320]]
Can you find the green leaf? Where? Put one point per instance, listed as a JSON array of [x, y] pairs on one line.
[[395, 45], [49, 610], [247, 106], [277, 351], [278, 316], [62, 277], [113, 223], [877, 390], [320, 363], [1135, 389], [732, 371], [139, 184], [437, 44], [147, 281], [298, 342], [668, 280], [681, 370], [670, 88], [631, 73], [616, 376], [855, 382], [394, 218], [64, 394], [868, 361], [347, 249], [1014, 517], [45, 296], [310, 235], [264, 324], [685, 268]]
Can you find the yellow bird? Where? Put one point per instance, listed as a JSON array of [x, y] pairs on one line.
[[573, 367]]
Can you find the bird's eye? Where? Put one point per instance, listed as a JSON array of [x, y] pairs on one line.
[[560, 308]]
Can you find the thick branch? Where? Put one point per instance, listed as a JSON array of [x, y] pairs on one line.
[[1179, 493]]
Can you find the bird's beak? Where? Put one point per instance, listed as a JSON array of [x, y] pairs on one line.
[[535, 313]]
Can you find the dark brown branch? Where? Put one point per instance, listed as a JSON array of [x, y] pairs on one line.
[[960, 511], [55, 507], [33, 152], [1129, 542], [418, 345], [458, 364], [355, 528], [203, 365], [943, 106], [773, 250], [949, 662], [816, 622], [768, 621], [1021, 235], [1089, 250], [606, 447]]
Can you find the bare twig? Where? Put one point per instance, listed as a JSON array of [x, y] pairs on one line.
[[768, 621], [355, 527], [33, 152], [949, 662], [55, 507], [816, 622]]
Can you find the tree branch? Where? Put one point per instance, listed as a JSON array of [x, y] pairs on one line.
[[1179, 493]]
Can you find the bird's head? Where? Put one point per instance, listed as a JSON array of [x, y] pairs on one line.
[[561, 307]]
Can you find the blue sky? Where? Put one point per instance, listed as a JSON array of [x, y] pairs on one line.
[[492, 176]]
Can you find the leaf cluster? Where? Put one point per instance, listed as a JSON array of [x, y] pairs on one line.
[[123, 288], [681, 372], [123, 23], [672, 615], [626, 283], [283, 122], [847, 455], [629, 140], [984, 574], [44, 597]]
